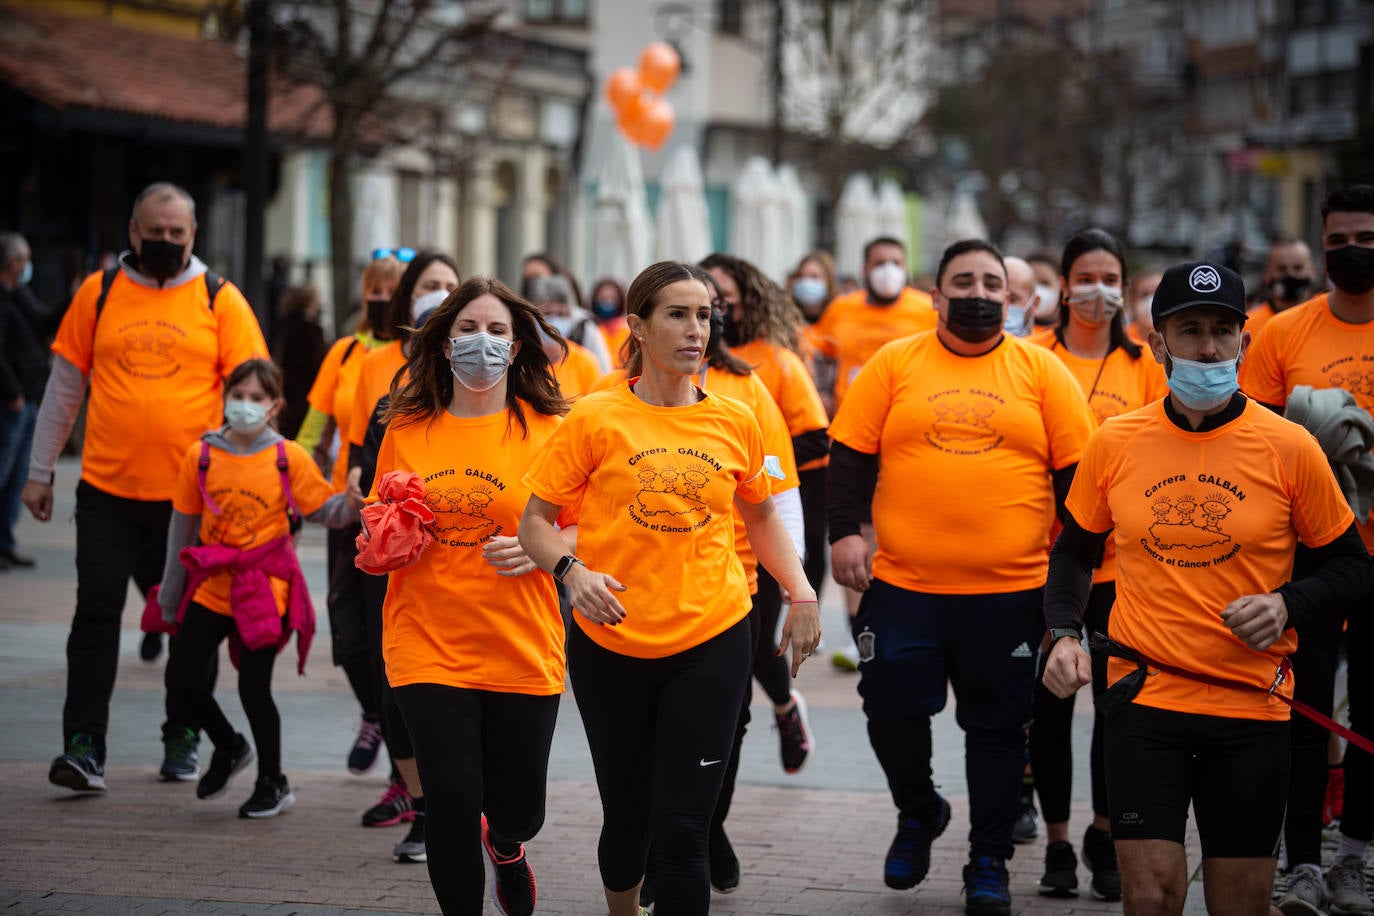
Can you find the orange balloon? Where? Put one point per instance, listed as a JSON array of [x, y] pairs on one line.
[[656, 124], [623, 87], [659, 65]]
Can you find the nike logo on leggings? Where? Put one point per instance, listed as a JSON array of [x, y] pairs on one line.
[[706, 763]]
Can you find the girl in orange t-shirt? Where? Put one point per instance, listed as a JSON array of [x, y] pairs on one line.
[[1117, 376], [231, 516], [660, 652], [331, 403], [471, 632]]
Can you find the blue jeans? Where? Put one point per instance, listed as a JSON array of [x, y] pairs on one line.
[[16, 439]]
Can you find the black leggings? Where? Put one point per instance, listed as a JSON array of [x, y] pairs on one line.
[[1051, 731], [772, 672], [194, 650], [478, 752], [393, 724], [660, 732], [814, 521]]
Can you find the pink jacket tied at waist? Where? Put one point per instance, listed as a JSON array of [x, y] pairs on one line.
[[258, 623]]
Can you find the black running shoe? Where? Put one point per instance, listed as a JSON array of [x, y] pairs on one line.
[[1061, 871], [512, 882], [151, 647], [79, 768], [180, 756], [1099, 854], [224, 763], [271, 796], [724, 864], [908, 858]]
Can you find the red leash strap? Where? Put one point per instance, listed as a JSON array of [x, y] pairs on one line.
[[1280, 675]]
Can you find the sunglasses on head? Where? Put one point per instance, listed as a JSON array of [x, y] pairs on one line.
[[404, 255]]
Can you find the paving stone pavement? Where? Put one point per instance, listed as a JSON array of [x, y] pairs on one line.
[[809, 844]]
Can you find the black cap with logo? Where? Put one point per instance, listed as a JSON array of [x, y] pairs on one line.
[[1198, 283]]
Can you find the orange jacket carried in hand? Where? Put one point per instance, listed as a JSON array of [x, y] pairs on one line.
[[396, 529]]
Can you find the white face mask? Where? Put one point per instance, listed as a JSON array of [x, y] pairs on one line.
[[1017, 321], [479, 361], [421, 307], [1095, 303], [886, 280], [563, 324], [1046, 301], [246, 417]]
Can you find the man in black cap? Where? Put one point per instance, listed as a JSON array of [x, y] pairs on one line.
[[1206, 494]]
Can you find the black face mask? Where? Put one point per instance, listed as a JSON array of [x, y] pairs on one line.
[[1351, 269], [376, 315], [718, 326], [974, 320], [730, 328], [160, 259], [1291, 289]]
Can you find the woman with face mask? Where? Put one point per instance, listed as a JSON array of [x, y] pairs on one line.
[[471, 633], [241, 492], [812, 284], [331, 404], [608, 307], [1116, 377]]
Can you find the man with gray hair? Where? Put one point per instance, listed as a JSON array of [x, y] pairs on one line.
[[154, 338], [554, 296], [23, 368]]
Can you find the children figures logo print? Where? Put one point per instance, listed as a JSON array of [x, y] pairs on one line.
[[1189, 525], [669, 497], [460, 514], [147, 353], [963, 422]]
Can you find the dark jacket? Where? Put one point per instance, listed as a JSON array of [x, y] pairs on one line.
[[23, 356]]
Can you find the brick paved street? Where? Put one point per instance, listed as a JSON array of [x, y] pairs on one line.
[[810, 844]]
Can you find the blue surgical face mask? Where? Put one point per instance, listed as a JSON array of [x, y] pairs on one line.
[[480, 360], [809, 291], [1018, 321], [27, 274], [245, 417], [1202, 386]]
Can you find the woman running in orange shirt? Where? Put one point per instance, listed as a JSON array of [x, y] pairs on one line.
[[472, 636], [1117, 377], [660, 652]]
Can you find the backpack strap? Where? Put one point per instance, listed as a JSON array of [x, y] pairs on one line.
[[213, 284], [293, 512], [202, 467], [348, 351], [107, 278]]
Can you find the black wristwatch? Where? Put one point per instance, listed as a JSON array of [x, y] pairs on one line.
[[1058, 633], [561, 568]]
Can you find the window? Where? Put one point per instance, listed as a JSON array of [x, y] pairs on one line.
[[730, 16], [555, 12]]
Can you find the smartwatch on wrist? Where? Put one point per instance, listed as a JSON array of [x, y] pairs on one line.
[[561, 568], [1058, 633]]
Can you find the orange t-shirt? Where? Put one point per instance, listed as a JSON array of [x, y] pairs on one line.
[[374, 383], [156, 359], [252, 506], [1201, 519], [332, 394], [850, 330], [449, 618], [750, 391], [1258, 317], [615, 334], [1115, 385], [784, 375], [578, 372], [655, 487], [779, 460], [1308, 345], [965, 497]]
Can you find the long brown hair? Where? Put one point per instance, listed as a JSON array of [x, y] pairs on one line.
[[425, 389], [766, 310], [642, 298]]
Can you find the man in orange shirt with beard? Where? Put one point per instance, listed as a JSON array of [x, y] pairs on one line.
[[1289, 278], [154, 338]]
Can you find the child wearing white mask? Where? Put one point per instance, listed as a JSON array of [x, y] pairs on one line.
[[231, 572]]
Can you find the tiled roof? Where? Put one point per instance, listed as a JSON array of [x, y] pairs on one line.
[[75, 63]]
